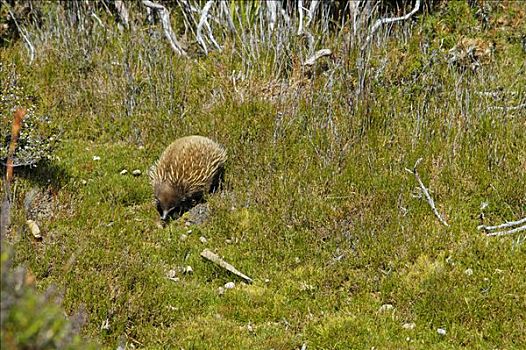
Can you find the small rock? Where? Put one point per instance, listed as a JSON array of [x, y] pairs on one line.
[[84, 182], [266, 280], [409, 325], [188, 269], [229, 285], [228, 241], [171, 274], [136, 172], [386, 307], [441, 331], [468, 272], [189, 231], [297, 260], [183, 237], [221, 290], [203, 240], [95, 158], [35, 230], [123, 172]]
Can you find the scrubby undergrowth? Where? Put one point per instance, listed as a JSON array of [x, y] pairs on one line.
[[317, 207]]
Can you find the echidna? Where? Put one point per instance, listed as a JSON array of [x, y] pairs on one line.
[[187, 169]]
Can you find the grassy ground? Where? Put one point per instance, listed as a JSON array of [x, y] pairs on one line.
[[318, 207]]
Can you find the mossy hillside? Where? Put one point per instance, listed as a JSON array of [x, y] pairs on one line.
[[317, 207]]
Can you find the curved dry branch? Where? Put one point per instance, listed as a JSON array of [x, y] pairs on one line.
[[167, 27]]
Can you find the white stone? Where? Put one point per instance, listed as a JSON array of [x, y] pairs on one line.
[[123, 172], [468, 272], [136, 172], [203, 240], [95, 158], [441, 331], [229, 285], [409, 325], [386, 307]]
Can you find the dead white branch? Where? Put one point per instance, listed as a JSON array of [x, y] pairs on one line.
[[310, 13], [300, 10], [381, 21], [123, 13], [509, 232], [213, 257], [23, 33], [504, 225], [272, 14], [167, 27], [426, 193], [318, 54], [203, 21], [512, 108]]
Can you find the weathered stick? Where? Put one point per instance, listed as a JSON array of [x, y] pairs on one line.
[[213, 257], [426, 193], [381, 21], [504, 225], [167, 27], [318, 54], [509, 232]]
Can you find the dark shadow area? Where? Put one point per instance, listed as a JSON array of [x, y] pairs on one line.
[[42, 174]]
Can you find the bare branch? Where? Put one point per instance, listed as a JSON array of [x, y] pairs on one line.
[[23, 33], [300, 10], [502, 233], [123, 13], [168, 32], [203, 21], [213, 257], [381, 21], [318, 54], [310, 13], [504, 225], [426, 193]]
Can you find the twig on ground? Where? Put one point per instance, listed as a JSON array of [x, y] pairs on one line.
[[509, 232], [426, 193], [213, 257], [505, 108], [504, 225], [381, 21], [167, 27]]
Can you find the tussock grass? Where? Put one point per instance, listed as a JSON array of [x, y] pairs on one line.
[[317, 205]]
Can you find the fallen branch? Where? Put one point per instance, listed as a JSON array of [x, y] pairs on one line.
[[213, 257], [167, 27], [502, 233], [318, 54], [426, 193], [504, 225], [511, 108], [381, 21]]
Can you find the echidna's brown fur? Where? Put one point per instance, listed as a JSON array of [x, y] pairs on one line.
[[187, 169]]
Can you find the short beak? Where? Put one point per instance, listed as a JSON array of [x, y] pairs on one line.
[[166, 214]]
